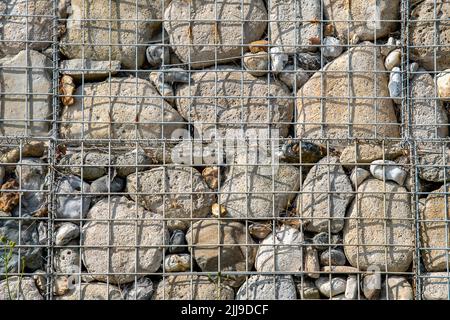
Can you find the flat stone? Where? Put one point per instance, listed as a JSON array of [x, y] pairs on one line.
[[66, 233], [367, 19], [339, 269], [234, 253], [19, 288], [98, 235], [106, 184], [192, 287], [364, 239], [435, 286], [208, 40], [281, 251], [93, 291], [96, 117], [26, 92], [361, 119], [261, 287], [71, 203], [89, 70], [315, 201], [224, 109], [331, 288], [396, 288], [365, 153]]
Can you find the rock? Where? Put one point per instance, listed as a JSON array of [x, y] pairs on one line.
[[396, 288], [93, 291], [435, 286], [141, 289], [173, 75], [331, 47], [120, 25], [212, 41], [259, 195], [89, 70], [362, 153], [122, 261], [2, 174], [293, 77], [312, 266], [192, 287], [388, 170], [164, 89], [315, 202], [281, 251], [291, 24], [27, 83], [393, 60], [358, 176], [260, 230], [218, 210], [177, 262], [367, 120], [257, 64], [428, 117], [434, 231], [71, 204], [322, 241], [331, 288], [351, 288], [259, 46], [413, 68], [88, 165], [443, 85], [105, 185], [395, 85], [433, 166], [118, 119], [66, 90], [427, 24], [301, 152], [307, 290], [42, 229], [388, 47], [365, 238], [9, 198], [67, 259], [31, 174], [211, 176], [26, 24], [66, 233], [60, 286], [236, 252], [227, 112], [189, 194], [266, 287], [309, 61], [371, 285], [278, 59], [19, 288], [40, 279], [332, 257], [158, 55], [366, 19], [339, 269], [177, 242], [130, 162]]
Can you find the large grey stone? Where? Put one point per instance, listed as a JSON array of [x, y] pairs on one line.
[[266, 287], [18, 288]]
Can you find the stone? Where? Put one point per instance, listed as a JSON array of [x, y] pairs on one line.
[[434, 166], [365, 238], [367, 19], [177, 262], [293, 151], [388, 47], [119, 119], [281, 251], [293, 77], [141, 289], [259, 46], [443, 85], [40, 279], [358, 176], [189, 193], [19, 288], [428, 117], [309, 61], [316, 202], [393, 60], [192, 287], [106, 184], [371, 285], [331, 47], [26, 83], [66, 90], [307, 290], [366, 153], [351, 288], [312, 266], [322, 241], [225, 111], [266, 287], [427, 24], [332, 257], [9, 199], [172, 75], [331, 288], [89, 70], [211, 176], [42, 229], [434, 231], [278, 59], [396, 288], [388, 170], [158, 55], [216, 39], [336, 119], [254, 194], [292, 24], [435, 286], [145, 230], [60, 286], [235, 250], [66, 232], [339, 269], [395, 85], [110, 31], [71, 204], [88, 165], [260, 230], [2, 174], [129, 162], [257, 64], [20, 32], [93, 291], [66, 260], [218, 210], [177, 242], [31, 174], [164, 89]]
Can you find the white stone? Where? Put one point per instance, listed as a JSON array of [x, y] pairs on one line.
[[332, 47], [70, 203], [279, 59], [391, 170], [388, 47], [331, 288], [395, 85], [177, 262], [351, 288], [358, 176], [393, 59], [66, 233]]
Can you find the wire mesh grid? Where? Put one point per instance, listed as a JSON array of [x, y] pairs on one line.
[[224, 149]]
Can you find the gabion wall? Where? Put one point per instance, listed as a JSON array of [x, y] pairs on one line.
[[224, 149]]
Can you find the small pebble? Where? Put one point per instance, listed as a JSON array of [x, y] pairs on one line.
[[173, 75], [321, 241], [393, 60], [395, 85], [371, 286], [443, 84], [157, 55], [413, 68], [331, 288], [42, 232], [358, 176], [391, 170], [279, 59], [332, 257], [354, 40], [177, 241], [218, 210], [60, 286], [66, 233], [351, 288], [2, 174], [332, 47], [260, 230], [142, 289], [257, 64], [211, 176], [177, 262], [312, 267]]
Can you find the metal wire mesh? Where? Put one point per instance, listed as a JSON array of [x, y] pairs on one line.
[[224, 149]]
